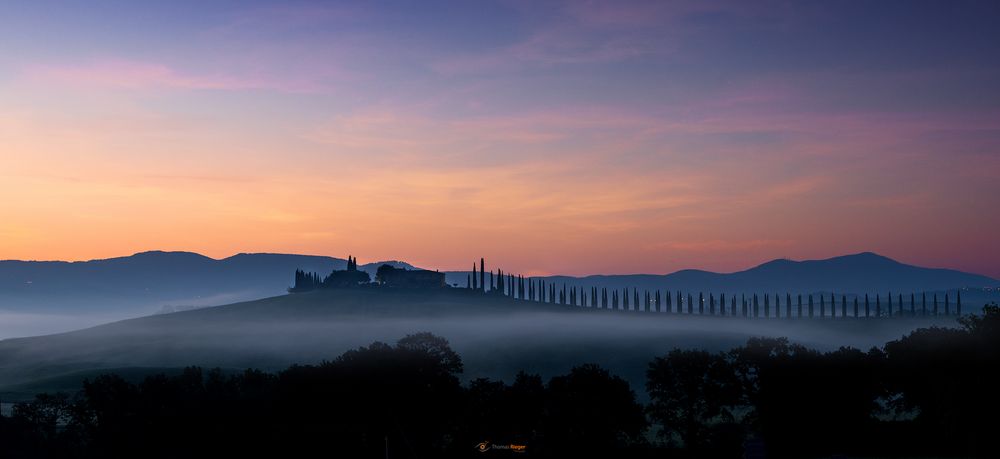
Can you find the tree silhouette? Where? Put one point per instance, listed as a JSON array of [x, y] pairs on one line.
[[591, 411], [692, 394]]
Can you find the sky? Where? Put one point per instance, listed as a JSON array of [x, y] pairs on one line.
[[549, 137]]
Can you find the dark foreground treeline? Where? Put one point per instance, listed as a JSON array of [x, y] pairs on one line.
[[931, 393]]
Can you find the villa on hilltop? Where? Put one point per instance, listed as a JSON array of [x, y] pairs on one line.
[[386, 276]]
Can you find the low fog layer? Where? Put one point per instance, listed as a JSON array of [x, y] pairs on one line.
[[496, 337]]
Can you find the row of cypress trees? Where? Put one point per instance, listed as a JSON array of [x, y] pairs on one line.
[[538, 290]]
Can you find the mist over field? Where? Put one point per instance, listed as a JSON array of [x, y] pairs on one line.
[[496, 336]]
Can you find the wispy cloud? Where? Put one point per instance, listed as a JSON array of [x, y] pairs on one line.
[[125, 74]]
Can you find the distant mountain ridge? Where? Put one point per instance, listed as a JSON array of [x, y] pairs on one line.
[[156, 278], [147, 281]]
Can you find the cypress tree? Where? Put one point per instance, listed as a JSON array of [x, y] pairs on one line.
[[822, 306], [900, 301], [659, 305], [843, 305], [811, 306], [878, 305], [722, 303], [711, 304], [800, 305], [867, 308], [670, 302], [701, 304], [958, 302], [690, 304], [767, 306], [923, 304], [788, 305], [913, 304], [732, 308], [777, 306], [482, 273], [935, 305], [756, 307], [947, 305], [743, 299]]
